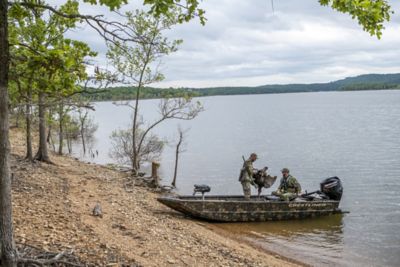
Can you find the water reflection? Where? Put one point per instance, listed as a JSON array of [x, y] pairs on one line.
[[314, 241]]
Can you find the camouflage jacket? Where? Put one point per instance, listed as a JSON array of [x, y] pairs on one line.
[[289, 185], [246, 173]]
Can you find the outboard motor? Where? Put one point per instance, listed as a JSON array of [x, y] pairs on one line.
[[332, 188]]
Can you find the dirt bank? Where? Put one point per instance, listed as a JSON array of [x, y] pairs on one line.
[[53, 206]]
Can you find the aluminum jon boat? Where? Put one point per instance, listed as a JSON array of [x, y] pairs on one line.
[[264, 208]]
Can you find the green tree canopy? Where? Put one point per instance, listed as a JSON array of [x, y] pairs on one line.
[[370, 14]]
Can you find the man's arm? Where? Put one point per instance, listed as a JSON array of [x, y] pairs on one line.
[[296, 185], [280, 185]]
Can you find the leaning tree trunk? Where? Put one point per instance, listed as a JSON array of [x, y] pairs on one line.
[[177, 158], [7, 250], [42, 153], [176, 167]]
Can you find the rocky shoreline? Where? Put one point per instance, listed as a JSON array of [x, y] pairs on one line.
[[53, 205]]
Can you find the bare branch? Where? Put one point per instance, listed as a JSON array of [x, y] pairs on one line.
[[109, 30]]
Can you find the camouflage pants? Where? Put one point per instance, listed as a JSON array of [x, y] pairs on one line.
[[285, 196], [246, 190]]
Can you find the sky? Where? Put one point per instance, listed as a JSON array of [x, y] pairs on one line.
[[249, 43]]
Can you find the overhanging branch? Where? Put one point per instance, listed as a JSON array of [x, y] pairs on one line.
[[107, 29]]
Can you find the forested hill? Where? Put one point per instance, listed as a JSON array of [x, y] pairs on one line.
[[362, 82]]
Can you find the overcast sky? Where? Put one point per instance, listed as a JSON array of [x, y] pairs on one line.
[[246, 43]]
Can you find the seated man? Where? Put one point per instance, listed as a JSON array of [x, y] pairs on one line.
[[289, 187]]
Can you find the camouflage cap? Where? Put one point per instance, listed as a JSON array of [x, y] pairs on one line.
[[285, 170]]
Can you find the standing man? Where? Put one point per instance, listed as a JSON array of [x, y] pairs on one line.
[[289, 187], [246, 175]]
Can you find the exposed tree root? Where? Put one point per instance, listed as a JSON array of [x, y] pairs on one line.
[[44, 159], [33, 256]]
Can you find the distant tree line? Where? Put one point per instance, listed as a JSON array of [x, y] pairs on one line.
[[128, 93], [362, 82], [370, 86]]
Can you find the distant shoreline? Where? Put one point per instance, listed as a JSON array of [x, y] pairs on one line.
[[358, 83], [201, 96]]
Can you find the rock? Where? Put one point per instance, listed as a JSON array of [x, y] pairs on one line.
[[97, 211]]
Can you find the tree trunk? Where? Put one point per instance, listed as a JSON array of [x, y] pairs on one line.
[[154, 174], [60, 130], [18, 116], [69, 143], [135, 160], [176, 168], [83, 142], [60, 138], [82, 121], [28, 119], [136, 150], [49, 138], [8, 252], [177, 158], [29, 153], [42, 153], [83, 136]]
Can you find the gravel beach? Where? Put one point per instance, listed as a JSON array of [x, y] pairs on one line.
[[53, 205]]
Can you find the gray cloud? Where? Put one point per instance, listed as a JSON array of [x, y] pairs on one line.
[[246, 43]]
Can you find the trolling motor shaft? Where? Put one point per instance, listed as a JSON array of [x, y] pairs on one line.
[[202, 188]]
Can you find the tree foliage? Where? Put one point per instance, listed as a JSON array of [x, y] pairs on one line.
[[370, 14], [46, 66], [137, 64], [123, 151]]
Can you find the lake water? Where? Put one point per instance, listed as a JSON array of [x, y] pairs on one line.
[[352, 135]]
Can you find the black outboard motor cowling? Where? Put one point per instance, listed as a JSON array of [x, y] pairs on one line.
[[332, 188]]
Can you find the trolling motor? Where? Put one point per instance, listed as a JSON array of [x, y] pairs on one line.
[[201, 188], [331, 188]]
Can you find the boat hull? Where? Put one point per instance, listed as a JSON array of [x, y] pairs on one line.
[[237, 209]]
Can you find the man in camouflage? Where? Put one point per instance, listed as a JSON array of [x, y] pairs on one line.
[[246, 175], [289, 187]]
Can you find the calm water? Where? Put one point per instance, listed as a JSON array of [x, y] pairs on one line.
[[353, 135]]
